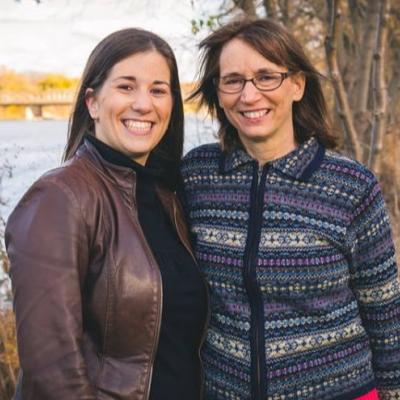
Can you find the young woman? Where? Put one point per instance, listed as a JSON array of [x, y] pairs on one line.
[[294, 239], [108, 299]]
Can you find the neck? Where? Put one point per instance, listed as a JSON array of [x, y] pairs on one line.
[[269, 149]]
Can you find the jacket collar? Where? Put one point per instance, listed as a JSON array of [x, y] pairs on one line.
[[124, 177], [298, 164]]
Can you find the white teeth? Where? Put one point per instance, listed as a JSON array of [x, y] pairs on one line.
[[137, 125], [254, 114]]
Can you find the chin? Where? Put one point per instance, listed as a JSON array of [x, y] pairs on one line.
[[259, 136]]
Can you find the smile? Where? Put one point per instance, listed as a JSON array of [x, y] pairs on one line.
[[255, 114], [137, 126]]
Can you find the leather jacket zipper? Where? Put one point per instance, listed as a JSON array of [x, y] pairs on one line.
[[257, 340], [153, 354]]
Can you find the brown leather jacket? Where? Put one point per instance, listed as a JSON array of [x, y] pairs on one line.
[[87, 289]]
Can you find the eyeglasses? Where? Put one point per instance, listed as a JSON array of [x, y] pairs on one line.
[[264, 81]]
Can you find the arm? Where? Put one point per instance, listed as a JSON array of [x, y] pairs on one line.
[[376, 285], [181, 193], [47, 244]]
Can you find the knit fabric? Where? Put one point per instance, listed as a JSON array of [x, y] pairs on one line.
[[305, 299]]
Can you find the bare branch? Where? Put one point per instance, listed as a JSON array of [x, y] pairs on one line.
[[247, 6], [357, 18], [331, 44], [380, 88], [272, 9], [394, 92], [367, 54], [365, 46], [285, 7]]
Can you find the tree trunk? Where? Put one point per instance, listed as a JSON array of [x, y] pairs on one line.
[[272, 9], [285, 6], [365, 61], [344, 111], [394, 88], [380, 89], [364, 68]]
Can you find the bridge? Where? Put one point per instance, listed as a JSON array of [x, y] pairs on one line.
[[34, 103]]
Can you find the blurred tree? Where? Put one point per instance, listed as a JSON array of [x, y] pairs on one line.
[[10, 81], [56, 81]]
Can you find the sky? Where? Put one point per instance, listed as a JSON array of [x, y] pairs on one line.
[[58, 35]]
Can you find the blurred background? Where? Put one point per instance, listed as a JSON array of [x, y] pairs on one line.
[[45, 43]]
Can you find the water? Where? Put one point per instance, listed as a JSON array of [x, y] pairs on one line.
[[29, 148]]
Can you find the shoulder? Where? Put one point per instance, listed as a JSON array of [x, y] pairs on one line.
[[72, 177], [347, 164], [205, 156], [58, 189], [342, 171], [209, 150]]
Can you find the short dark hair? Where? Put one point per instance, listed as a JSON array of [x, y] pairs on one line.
[[111, 50], [274, 42]]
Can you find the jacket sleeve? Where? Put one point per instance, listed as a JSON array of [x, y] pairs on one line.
[[47, 245], [376, 285]]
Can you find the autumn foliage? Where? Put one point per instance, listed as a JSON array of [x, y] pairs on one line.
[[30, 84], [8, 347]]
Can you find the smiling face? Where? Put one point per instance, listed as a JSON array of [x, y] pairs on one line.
[[132, 109], [263, 119]]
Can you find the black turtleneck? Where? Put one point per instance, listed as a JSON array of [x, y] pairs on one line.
[[176, 370]]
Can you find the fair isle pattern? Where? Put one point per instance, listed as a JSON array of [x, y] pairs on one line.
[[324, 266]]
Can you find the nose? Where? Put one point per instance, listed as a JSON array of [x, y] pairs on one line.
[[142, 102], [249, 92]]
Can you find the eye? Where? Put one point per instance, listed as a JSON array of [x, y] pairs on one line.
[[125, 87], [266, 77], [159, 91], [234, 80]]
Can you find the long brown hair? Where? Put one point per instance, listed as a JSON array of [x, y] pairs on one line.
[[112, 49], [275, 43]]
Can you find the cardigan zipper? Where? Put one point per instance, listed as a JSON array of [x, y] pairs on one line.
[[257, 340]]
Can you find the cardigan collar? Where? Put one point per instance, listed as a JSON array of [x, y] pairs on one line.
[[298, 164]]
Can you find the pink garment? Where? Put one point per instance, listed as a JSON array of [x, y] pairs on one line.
[[372, 395]]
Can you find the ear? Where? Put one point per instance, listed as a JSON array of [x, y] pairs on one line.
[[299, 81], [91, 103]]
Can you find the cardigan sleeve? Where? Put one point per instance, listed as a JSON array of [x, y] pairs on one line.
[[374, 279], [47, 246]]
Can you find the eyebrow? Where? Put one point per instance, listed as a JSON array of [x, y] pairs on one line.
[[259, 71], [133, 79]]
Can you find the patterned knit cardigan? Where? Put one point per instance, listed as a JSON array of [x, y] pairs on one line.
[[305, 299]]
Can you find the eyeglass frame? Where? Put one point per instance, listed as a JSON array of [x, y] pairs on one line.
[[283, 75]]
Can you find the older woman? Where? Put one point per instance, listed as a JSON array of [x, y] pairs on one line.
[[294, 239], [108, 299]]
